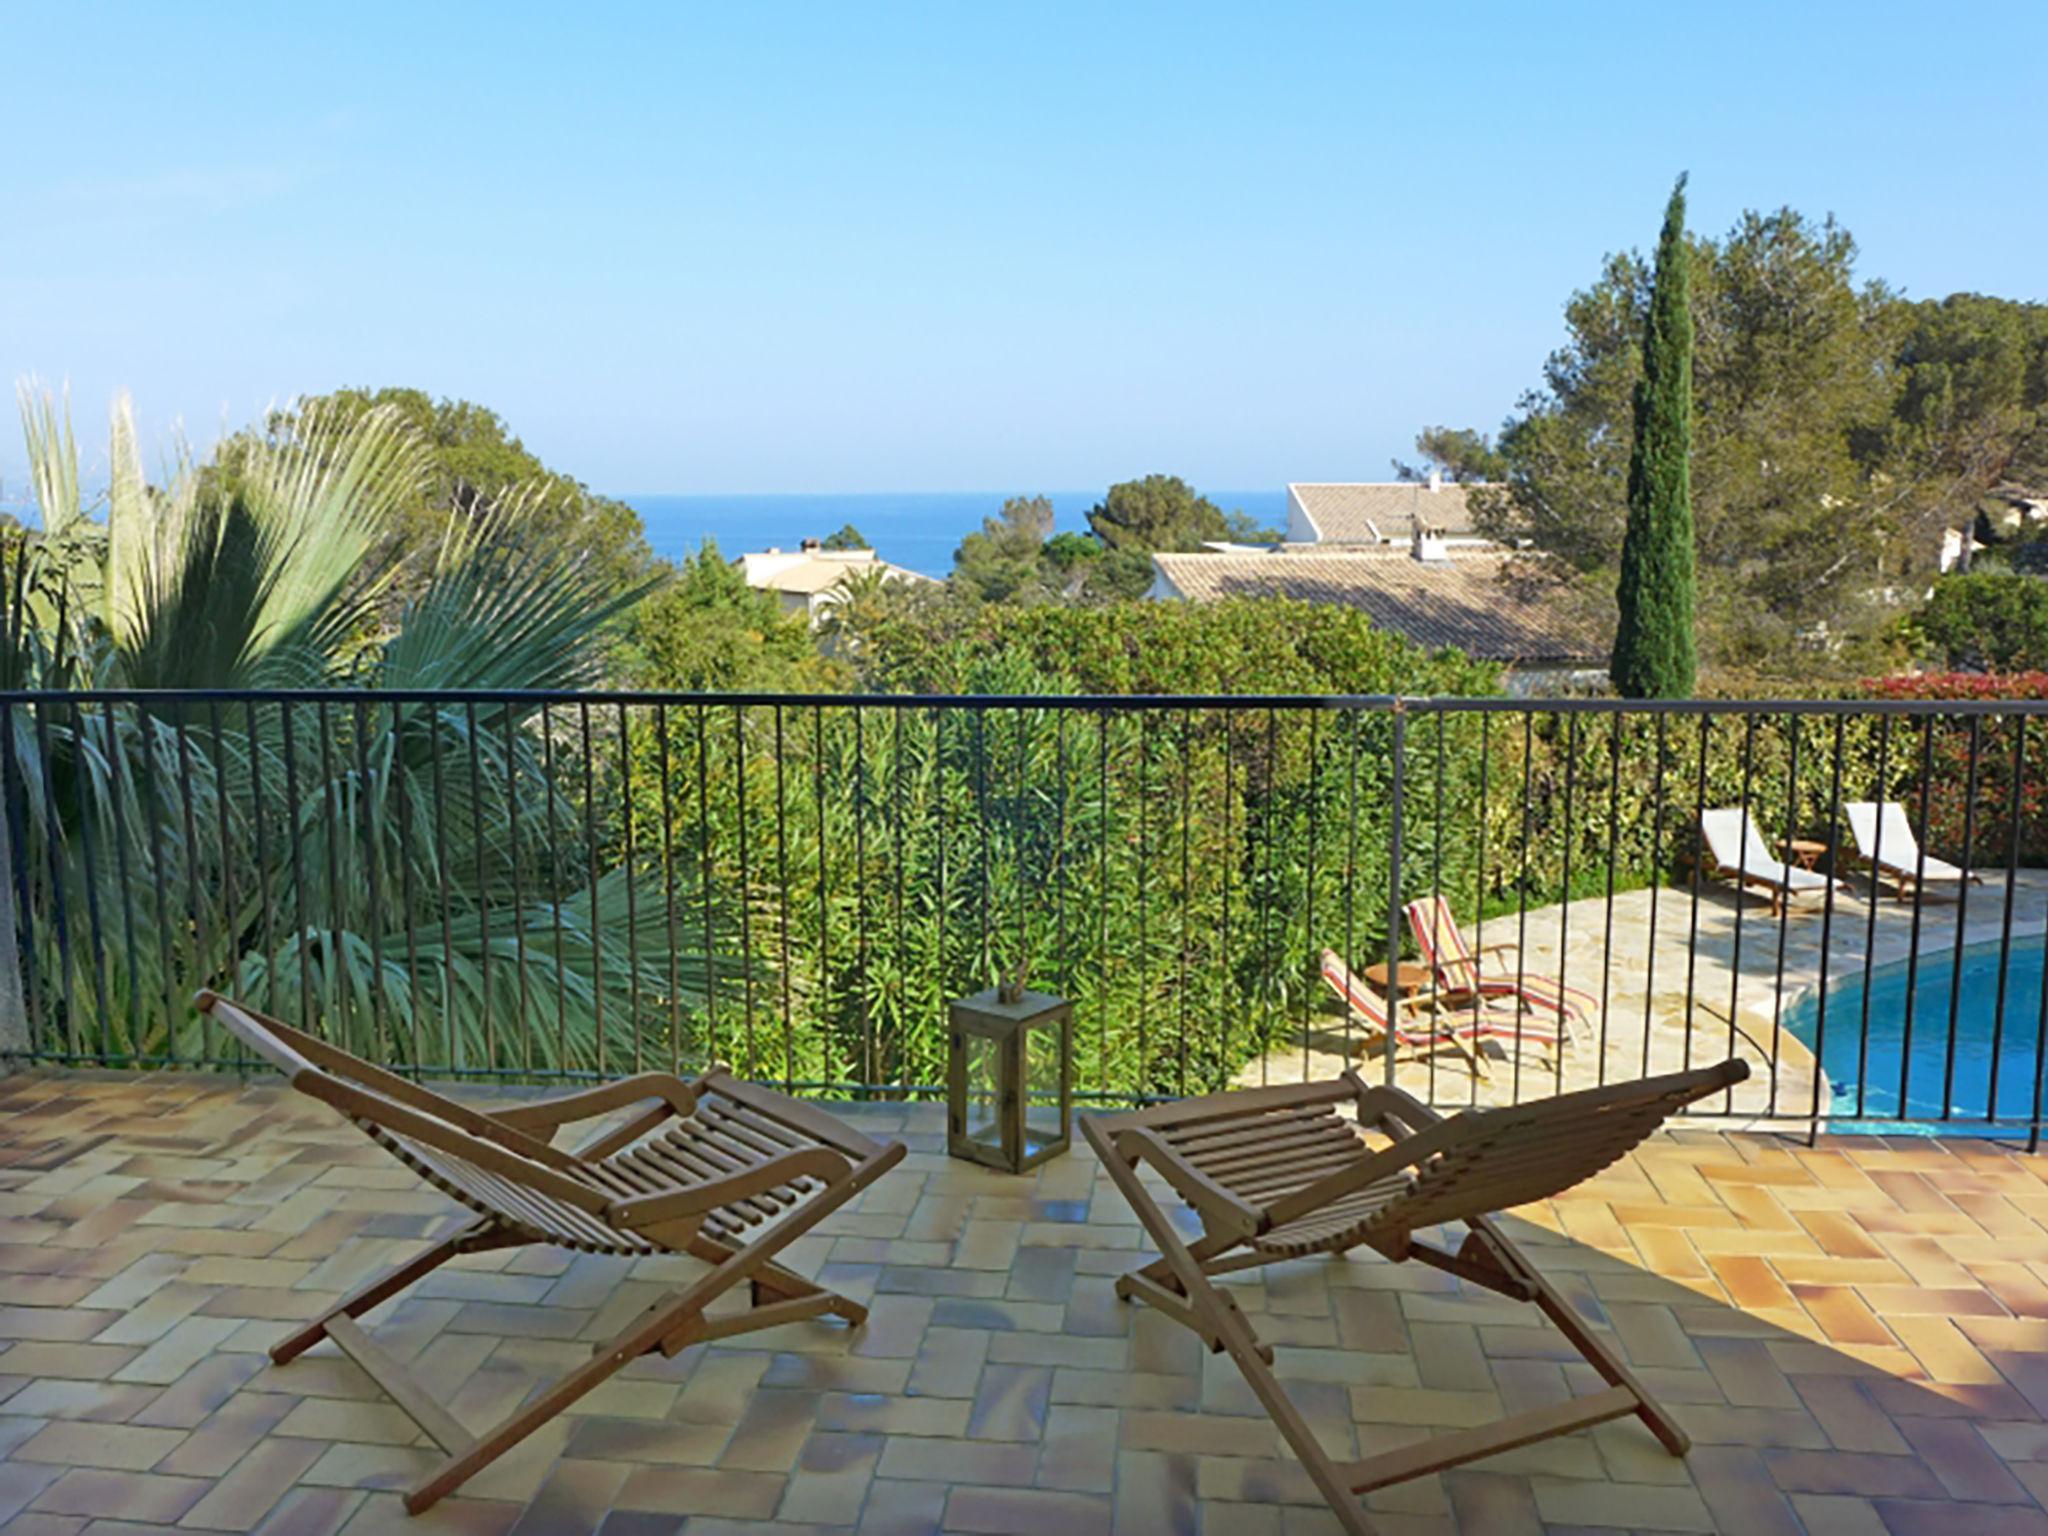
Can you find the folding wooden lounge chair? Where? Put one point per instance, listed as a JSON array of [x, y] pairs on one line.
[[1280, 1173], [1459, 1027], [1461, 973], [1885, 841], [1738, 852], [715, 1168]]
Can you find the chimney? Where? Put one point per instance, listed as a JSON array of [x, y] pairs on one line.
[[810, 546], [1427, 545], [1436, 482]]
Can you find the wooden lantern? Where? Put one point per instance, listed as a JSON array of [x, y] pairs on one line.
[[1010, 1078]]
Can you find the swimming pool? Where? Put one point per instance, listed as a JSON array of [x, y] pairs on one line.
[[1937, 1067]]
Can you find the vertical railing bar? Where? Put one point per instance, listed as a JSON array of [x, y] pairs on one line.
[[443, 885], [1144, 896], [1955, 988], [1436, 890], [1827, 925], [526, 1031], [1882, 793], [1692, 939], [14, 788], [705, 899], [860, 899], [635, 1009], [1607, 928], [1741, 883], [824, 993], [125, 875], [745, 885], [330, 803], [372, 917], [1521, 895], [95, 940], [1266, 902], [1663, 739], [1353, 719], [1020, 838], [894, 1062], [981, 824], [230, 923], [1315, 810], [782, 891], [1059, 890], [401, 791], [483, 885], [1919, 894], [2012, 870], [1478, 878], [194, 904], [1564, 911], [53, 849], [1102, 903], [1791, 825], [665, 771], [1227, 971], [1186, 890], [555, 892], [293, 829], [600, 1046], [1396, 803], [943, 834]]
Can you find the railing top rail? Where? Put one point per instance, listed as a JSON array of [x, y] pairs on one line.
[[1098, 702]]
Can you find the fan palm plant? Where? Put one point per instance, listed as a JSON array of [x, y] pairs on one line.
[[398, 866]]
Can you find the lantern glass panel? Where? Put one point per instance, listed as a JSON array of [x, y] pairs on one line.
[[1044, 1124], [984, 1097]]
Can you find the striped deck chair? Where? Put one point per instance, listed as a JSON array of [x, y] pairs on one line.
[[720, 1170], [1281, 1173], [1459, 1029], [1462, 975]]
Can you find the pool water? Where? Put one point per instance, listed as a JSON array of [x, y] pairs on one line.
[[1938, 1070]]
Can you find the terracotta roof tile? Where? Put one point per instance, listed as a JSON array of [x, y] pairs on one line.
[[1365, 513], [1469, 600]]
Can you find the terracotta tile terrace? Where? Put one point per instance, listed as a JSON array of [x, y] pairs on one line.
[[1855, 1336]]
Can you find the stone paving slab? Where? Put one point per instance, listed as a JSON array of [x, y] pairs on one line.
[[1856, 1336], [1688, 978]]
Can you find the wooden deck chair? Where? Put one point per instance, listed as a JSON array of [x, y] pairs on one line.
[[715, 1168], [1885, 841], [1281, 1173], [1461, 971], [1738, 851], [1459, 1028]]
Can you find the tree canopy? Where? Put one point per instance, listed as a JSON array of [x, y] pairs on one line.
[[1837, 429], [474, 465], [1158, 513], [707, 630], [1654, 654], [1457, 454]]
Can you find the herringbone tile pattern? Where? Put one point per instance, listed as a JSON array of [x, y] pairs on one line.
[[1856, 1336]]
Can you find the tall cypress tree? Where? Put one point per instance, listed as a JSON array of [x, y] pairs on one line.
[[1654, 655]]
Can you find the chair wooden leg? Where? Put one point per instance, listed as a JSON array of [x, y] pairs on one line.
[[471, 1239], [1213, 1318], [1589, 1344]]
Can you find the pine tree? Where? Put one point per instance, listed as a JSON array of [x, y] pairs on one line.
[[1654, 655]]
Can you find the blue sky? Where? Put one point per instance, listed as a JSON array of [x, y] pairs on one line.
[[975, 246]]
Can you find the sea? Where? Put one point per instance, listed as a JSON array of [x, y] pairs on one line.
[[918, 529]]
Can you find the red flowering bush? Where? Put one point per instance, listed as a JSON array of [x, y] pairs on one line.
[[1944, 744]]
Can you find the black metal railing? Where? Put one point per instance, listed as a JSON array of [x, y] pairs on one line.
[[528, 886]]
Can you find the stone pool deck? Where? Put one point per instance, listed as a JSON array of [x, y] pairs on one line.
[[1660, 949]]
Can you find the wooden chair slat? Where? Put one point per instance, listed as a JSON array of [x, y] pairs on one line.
[[709, 1143], [1308, 1192]]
